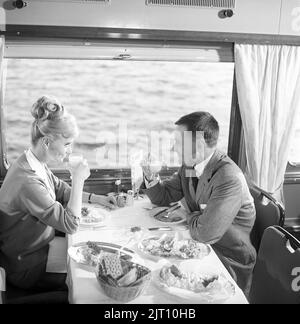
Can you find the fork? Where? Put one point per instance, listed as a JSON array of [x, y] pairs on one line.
[[124, 246], [171, 211]]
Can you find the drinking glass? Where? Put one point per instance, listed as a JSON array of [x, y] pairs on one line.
[[136, 172], [75, 159]]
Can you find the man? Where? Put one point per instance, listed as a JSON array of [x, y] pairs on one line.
[[215, 191]]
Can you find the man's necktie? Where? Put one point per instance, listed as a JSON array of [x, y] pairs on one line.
[[195, 182]]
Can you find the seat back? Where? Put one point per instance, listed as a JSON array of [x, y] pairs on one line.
[[268, 212], [2, 285], [276, 276], [11, 295]]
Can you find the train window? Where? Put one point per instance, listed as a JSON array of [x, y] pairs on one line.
[[120, 106]]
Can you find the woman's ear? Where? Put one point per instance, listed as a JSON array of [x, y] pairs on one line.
[[46, 142]]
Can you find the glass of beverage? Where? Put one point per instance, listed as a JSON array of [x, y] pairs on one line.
[[136, 171], [155, 166], [75, 159], [151, 165]]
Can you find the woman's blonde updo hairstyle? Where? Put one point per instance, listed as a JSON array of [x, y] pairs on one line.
[[51, 120]]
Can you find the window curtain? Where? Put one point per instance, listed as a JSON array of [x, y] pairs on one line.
[[268, 86]]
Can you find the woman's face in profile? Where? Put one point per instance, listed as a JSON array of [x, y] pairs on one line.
[[59, 149]]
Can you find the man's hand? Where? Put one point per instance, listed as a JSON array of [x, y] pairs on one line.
[[150, 167]]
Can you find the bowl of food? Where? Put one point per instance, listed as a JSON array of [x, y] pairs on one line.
[[122, 280]]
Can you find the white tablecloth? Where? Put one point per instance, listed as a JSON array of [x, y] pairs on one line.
[[82, 282]]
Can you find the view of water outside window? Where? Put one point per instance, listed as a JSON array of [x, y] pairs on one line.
[[121, 107]]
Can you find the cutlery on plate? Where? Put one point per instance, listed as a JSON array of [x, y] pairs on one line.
[[160, 212], [169, 210], [115, 246], [123, 247]]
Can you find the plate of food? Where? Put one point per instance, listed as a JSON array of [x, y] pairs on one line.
[[194, 282], [169, 215], [89, 253], [92, 216], [170, 246]]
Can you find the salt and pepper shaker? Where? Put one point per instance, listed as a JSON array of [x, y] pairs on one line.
[[130, 198], [120, 196]]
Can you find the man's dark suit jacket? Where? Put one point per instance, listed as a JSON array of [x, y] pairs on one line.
[[228, 218]]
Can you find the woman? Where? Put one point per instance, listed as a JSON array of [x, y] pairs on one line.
[[34, 203]]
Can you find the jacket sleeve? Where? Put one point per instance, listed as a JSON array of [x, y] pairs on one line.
[[221, 209], [165, 192], [35, 200], [62, 190]]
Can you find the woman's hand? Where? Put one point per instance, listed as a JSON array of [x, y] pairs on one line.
[[107, 201], [81, 171]]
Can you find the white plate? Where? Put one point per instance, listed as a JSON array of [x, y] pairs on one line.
[[76, 252], [219, 292], [204, 248], [98, 216], [168, 221]]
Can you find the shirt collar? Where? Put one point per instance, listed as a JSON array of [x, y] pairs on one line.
[[34, 163], [201, 166], [39, 168]]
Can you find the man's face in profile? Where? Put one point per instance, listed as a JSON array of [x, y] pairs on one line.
[[190, 150]]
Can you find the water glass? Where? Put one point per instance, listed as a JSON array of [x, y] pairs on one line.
[[75, 159]]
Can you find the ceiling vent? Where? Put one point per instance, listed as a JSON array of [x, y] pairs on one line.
[[94, 1], [76, 1], [193, 3]]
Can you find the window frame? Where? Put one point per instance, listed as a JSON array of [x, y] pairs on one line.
[[151, 40]]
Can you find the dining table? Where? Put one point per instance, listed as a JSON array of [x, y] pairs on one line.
[[117, 228]]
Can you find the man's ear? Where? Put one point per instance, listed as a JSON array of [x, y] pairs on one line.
[[200, 144]]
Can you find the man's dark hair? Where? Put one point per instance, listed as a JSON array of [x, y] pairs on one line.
[[204, 122]]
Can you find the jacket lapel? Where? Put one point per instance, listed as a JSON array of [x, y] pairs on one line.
[[207, 174]]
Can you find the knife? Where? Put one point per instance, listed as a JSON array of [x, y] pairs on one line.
[[168, 211], [173, 208], [162, 228], [113, 246]]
